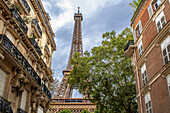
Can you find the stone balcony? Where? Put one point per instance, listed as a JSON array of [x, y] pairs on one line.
[[129, 48], [36, 27], [34, 43], [19, 20], [24, 5], [13, 52]]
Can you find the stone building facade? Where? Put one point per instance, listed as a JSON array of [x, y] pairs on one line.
[[26, 49], [150, 54]]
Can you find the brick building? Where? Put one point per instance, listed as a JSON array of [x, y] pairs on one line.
[[26, 48], [150, 54]]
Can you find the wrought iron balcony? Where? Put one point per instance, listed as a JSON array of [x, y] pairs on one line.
[[45, 89], [5, 106], [19, 110], [34, 22], [20, 20], [34, 43], [15, 53], [37, 1], [26, 5], [128, 49]]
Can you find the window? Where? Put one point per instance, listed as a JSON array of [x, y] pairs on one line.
[[160, 21], [168, 82], [140, 48], [148, 103], [150, 12], [144, 74], [156, 4], [165, 47], [138, 29]]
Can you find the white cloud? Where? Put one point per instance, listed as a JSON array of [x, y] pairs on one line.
[[69, 7]]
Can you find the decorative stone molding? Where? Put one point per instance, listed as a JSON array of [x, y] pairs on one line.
[[18, 81], [1, 56]]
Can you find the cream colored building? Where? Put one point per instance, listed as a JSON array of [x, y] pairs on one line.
[[26, 48]]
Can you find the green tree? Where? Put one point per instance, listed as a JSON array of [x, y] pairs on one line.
[[135, 4], [106, 75], [66, 111], [85, 111]]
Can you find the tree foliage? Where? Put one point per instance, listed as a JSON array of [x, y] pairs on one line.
[[66, 111], [106, 75], [85, 111], [135, 4]]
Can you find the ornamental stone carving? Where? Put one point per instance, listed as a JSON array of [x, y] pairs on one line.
[[18, 81]]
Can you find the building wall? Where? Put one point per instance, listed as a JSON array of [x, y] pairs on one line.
[[152, 57], [25, 76]]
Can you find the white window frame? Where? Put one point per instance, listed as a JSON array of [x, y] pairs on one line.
[[140, 48], [148, 103], [144, 74], [150, 11], [159, 20], [168, 83], [164, 46]]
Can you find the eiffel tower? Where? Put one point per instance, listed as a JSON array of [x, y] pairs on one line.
[[64, 91], [63, 97]]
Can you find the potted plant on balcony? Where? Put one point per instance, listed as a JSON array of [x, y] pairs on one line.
[[12, 5]]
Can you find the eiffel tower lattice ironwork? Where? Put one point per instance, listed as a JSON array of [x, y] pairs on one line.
[[63, 97], [64, 91]]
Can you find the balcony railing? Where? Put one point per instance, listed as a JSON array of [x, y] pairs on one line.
[[26, 5], [45, 19], [5, 106], [45, 89], [34, 21], [34, 43], [20, 20], [130, 42], [72, 100], [15, 53], [19, 110]]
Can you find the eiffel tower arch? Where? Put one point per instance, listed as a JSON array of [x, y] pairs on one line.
[[63, 96]]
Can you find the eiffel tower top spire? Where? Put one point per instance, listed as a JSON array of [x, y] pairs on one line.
[[76, 45]]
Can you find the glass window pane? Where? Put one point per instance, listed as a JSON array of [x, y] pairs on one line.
[[164, 52], [142, 75], [149, 103], [145, 73], [158, 24], [146, 80], [143, 82], [162, 19], [151, 110], [166, 60], [146, 105], [168, 48]]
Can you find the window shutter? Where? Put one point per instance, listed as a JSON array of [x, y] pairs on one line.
[[140, 26], [3, 77], [24, 100]]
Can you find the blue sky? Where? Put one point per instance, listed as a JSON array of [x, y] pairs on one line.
[[99, 16]]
